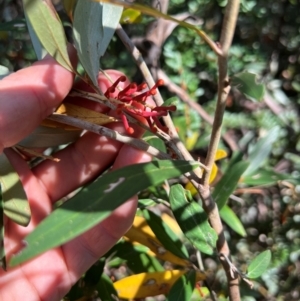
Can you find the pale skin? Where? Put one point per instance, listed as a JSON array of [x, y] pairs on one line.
[[26, 98]]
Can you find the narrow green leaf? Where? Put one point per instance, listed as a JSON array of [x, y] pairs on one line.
[[136, 257], [192, 220], [231, 219], [48, 28], [16, 205], [259, 264], [165, 234], [264, 177], [106, 289], [228, 183], [93, 275], [39, 50], [104, 195], [93, 27], [261, 151], [235, 158], [183, 288], [246, 83]]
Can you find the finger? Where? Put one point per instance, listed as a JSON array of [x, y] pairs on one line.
[[83, 251], [28, 96]]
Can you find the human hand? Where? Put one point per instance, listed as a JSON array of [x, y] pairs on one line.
[[26, 98]]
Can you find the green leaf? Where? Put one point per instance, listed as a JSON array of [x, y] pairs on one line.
[[259, 264], [104, 195], [93, 274], [192, 220], [93, 27], [155, 141], [16, 205], [261, 151], [106, 289], [165, 234], [48, 28], [264, 177], [228, 183], [183, 288], [136, 257], [231, 219], [246, 83]]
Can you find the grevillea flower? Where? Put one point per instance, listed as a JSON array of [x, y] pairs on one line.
[[133, 101]]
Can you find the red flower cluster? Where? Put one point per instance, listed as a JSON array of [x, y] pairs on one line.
[[131, 97]]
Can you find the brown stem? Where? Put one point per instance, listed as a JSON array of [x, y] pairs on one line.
[[209, 205]]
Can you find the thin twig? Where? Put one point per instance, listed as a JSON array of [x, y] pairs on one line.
[[111, 134], [34, 153], [209, 205]]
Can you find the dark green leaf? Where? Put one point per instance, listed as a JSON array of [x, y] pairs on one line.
[[192, 220], [49, 29], [183, 288], [93, 274], [228, 183], [39, 50], [165, 235], [259, 264], [235, 158], [104, 195], [16, 205], [136, 257], [93, 27], [106, 290], [246, 83], [261, 151], [231, 219]]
